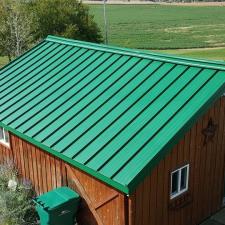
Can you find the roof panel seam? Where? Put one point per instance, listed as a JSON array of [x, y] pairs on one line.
[[52, 91], [20, 58], [22, 97], [25, 82], [111, 122], [109, 75], [109, 111], [132, 120], [72, 104], [176, 112], [60, 95], [11, 78]]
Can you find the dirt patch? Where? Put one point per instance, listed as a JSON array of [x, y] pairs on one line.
[[178, 29], [121, 2], [195, 3], [193, 49]]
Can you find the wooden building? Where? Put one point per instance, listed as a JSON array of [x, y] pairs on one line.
[[140, 136]]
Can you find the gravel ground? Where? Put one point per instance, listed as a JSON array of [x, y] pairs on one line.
[[217, 219]]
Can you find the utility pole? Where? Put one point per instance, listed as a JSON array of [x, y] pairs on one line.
[[106, 23]]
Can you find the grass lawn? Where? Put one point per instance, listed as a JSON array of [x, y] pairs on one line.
[[163, 26], [3, 61], [214, 54]]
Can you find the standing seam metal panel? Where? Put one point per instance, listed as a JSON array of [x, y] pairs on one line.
[[112, 112]]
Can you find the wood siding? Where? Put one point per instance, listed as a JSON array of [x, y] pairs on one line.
[[100, 204], [151, 204]]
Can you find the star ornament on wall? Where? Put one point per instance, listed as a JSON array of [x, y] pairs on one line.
[[209, 132]]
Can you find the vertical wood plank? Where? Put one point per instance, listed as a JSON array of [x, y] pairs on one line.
[[35, 170], [30, 162], [20, 149], [150, 202], [159, 192], [207, 174], [131, 210], [153, 197], [53, 171], [48, 172], [146, 203]]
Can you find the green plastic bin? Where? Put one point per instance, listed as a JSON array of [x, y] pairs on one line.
[[57, 207]]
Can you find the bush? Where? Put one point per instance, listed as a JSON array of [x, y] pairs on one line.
[[7, 172], [67, 18], [16, 206]]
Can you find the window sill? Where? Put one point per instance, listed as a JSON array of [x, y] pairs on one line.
[[178, 194], [180, 201]]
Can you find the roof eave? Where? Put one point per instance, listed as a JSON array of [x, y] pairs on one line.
[[89, 171]]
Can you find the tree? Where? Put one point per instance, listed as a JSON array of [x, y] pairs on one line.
[[24, 22], [67, 18], [15, 28]]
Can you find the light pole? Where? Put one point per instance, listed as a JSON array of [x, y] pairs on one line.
[[105, 22]]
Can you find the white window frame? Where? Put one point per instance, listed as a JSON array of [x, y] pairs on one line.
[[180, 191], [3, 141]]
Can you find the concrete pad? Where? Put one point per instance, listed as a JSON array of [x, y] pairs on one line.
[[210, 222], [220, 216]]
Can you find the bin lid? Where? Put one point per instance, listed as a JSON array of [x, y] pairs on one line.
[[57, 197]]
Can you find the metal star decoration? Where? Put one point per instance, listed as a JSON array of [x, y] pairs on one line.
[[209, 132]]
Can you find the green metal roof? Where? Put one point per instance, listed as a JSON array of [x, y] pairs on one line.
[[111, 112]]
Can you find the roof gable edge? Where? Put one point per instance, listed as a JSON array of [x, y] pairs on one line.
[[146, 171]]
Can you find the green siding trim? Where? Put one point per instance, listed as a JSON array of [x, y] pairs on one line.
[[93, 173]]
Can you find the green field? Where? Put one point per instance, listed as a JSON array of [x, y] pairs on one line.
[[163, 26], [214, 54], [168, 29]]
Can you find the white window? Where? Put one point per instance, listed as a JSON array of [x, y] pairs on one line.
[[4, 136], [179, 181]]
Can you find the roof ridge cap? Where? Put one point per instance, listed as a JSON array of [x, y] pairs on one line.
[[210, 64]]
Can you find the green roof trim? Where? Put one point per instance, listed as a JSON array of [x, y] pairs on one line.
[[111, 112], [143, 54], [164, 151], [68, 160]]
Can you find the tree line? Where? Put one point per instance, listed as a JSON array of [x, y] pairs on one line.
[[23, 23]]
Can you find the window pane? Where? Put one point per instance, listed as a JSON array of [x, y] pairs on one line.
[[175, 177], [1, 133], [6, 136], [183, 182]]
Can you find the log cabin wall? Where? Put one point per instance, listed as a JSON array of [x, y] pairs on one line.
[[101, 204], [151, 204]]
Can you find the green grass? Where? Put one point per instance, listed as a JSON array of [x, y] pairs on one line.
[[163, 27], [3, 61], [213, 54]]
